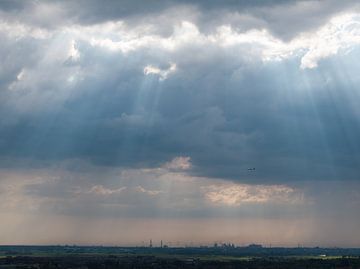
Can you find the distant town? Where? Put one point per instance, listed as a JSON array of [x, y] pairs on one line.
[[229, 249]]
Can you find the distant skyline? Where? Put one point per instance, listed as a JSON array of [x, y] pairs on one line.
[[177, 120]]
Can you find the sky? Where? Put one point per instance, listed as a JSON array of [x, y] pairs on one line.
[[125, 121]]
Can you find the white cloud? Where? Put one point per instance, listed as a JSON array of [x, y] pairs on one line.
[[162, 73], [179, 163], [73, 54], [21, 75], [18, 30], [148, 192], [101, 190], [341, 32], [239, 194]]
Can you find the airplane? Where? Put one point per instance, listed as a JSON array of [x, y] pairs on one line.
[[251, 169]]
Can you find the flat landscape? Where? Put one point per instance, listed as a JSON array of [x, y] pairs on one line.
[[197, 257]]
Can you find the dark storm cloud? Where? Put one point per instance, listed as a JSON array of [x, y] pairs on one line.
[[283, 18], [94, 11], [13, 5], [227, 114], [228, 110]]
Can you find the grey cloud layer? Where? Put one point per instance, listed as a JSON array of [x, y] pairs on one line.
[[284, 18], [224, 107], [166, 192]]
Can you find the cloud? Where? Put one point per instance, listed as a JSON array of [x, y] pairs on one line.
[[285, 18], [229, 98], [149, 192], [163, 73], [160, 191], [239, 194], [179, 163], [101, 190], [75, 193], [73, 54], [341, 33], [236, 100], [156, 109]]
